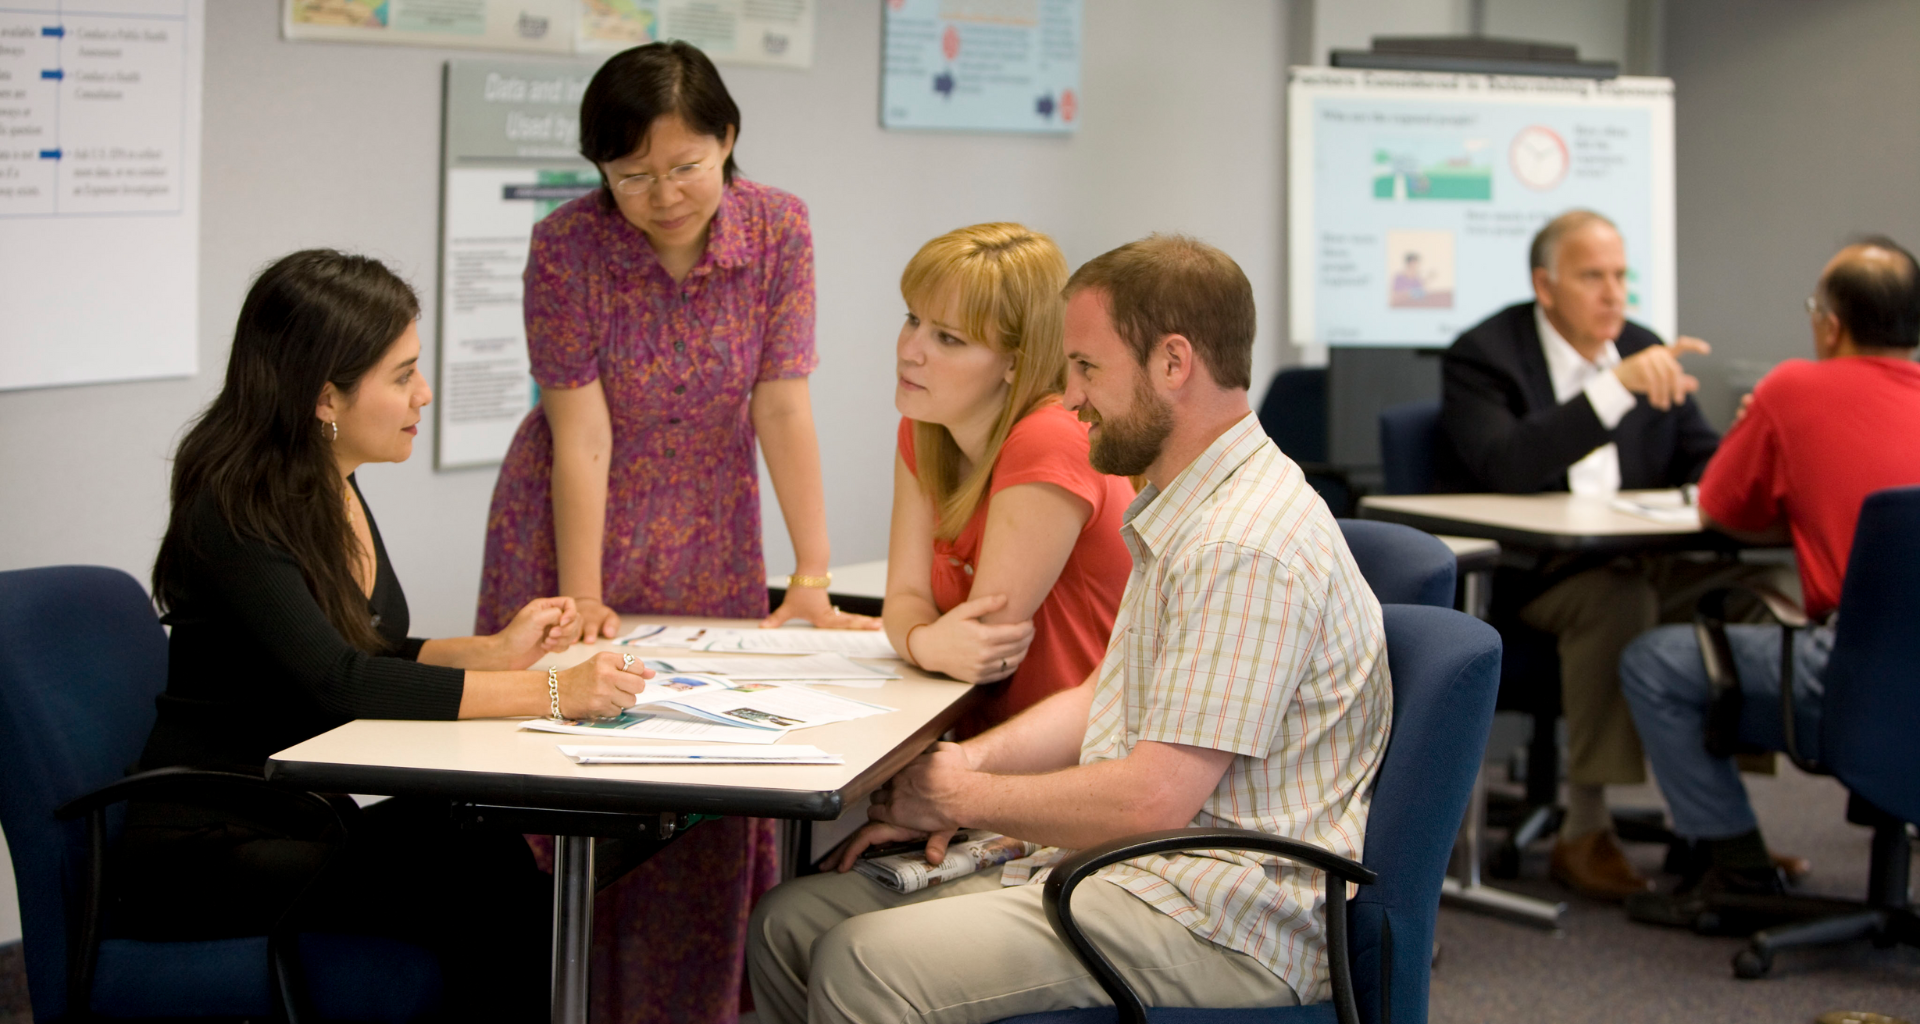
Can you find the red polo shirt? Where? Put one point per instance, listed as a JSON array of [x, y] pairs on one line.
[[1818, 438]]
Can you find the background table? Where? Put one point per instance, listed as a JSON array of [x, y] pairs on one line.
[[511, 778], [1543, 522]]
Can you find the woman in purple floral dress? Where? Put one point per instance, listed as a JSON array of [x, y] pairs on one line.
[[670, 323]]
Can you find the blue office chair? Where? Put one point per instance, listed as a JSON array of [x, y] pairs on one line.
[[1408, 435], [1445, 668], [82, 658], [1402, 565], [1869, 717], [1294, 415]]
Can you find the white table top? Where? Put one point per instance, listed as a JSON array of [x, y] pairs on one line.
[[1557, 521], [1469, 545], [493, 760]]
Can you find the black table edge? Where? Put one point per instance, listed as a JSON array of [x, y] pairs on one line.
[[616, 795]]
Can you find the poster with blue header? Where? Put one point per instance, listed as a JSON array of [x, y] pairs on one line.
[[982, 65]]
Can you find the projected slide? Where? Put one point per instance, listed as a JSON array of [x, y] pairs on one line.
[[1413, 197]]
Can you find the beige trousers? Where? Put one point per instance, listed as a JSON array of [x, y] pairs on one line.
[[1594, 615], [833, 947]]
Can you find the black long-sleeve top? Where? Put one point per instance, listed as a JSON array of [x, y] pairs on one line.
[[253, 665], [1503, 431]]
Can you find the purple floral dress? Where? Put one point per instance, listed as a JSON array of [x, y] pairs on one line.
[[678, 364]]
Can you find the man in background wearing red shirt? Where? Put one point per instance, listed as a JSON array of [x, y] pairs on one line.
[[1806, 448]]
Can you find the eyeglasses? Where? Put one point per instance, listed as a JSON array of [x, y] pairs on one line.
[[641, 184]]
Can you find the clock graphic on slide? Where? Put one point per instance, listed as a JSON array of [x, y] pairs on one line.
[[1539, 158]]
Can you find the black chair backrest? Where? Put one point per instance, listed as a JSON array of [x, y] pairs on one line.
[[1409, 434], [1870, 714], [1294, 413], [82, 657], [1402, 565]]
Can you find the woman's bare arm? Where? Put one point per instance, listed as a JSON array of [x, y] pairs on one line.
[[582, 451]]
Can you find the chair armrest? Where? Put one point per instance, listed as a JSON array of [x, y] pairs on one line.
[[189, 783], [1070, 872], [1716, 653], [193, 785]]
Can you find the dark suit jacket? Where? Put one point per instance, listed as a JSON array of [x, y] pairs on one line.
[[1502, 431]]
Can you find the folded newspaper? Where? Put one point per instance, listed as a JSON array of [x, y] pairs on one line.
[[971, 850]]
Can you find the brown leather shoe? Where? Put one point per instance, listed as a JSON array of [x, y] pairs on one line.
[[1795, 868], [1593, 865]]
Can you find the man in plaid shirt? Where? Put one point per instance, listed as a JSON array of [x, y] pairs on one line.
[[1245, 685]]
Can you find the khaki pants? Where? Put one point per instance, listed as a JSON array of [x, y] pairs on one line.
[[833, 947], [1594, 615]]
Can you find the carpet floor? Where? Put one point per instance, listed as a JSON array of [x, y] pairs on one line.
[[1602, 967]]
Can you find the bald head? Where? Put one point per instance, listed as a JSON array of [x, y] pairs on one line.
[[1872, 291], [1544, 253], [1580, 279]]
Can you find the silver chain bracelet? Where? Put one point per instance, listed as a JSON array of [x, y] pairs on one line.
[[553, 692]]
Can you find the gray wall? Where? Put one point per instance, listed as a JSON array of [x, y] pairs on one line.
[[1797, 125], [330, 144]]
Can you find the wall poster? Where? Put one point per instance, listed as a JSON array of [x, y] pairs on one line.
[[981, 65], [99, 190], [509, 158]]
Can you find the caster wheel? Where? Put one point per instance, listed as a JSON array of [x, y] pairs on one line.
[[1749, 963], [1505, 862]]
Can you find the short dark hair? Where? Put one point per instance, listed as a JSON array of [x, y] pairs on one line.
[[1877, 301], [1173, 284], [1545, 250], [635, 87]]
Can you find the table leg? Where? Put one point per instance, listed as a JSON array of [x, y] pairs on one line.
[[1477, 593], [572, 926], [1470, 893]]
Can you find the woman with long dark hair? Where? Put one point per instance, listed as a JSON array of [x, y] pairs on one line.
[[287, 620]]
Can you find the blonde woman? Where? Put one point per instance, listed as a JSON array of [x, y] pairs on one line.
[[1005, 564]]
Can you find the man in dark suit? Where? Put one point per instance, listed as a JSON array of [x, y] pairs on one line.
[[1564, 394]]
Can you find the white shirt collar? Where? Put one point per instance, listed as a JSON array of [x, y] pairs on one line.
[[1569, 370]]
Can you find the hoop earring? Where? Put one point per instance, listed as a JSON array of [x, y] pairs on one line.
[[335, 436]]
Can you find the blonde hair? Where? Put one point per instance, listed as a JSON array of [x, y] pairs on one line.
[[1009, 281]]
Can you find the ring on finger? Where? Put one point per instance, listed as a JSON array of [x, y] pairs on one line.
[[626, 661]]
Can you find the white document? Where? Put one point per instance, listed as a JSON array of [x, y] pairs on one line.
[[1666, 507], [767, 705], [853, 643], [100, 192], [645, 725], [806, 668], [650, 635], [794, 754]]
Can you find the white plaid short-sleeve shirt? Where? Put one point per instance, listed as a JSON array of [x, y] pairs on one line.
[[1247, 627]]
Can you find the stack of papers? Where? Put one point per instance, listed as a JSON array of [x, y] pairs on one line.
[[736, 706], [791, 754], [807, 668], [851, 643]]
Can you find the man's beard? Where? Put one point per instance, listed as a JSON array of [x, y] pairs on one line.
[[1127, 446]]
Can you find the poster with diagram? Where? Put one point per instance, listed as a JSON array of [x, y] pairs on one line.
[[981, 65], [1413, 197]]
